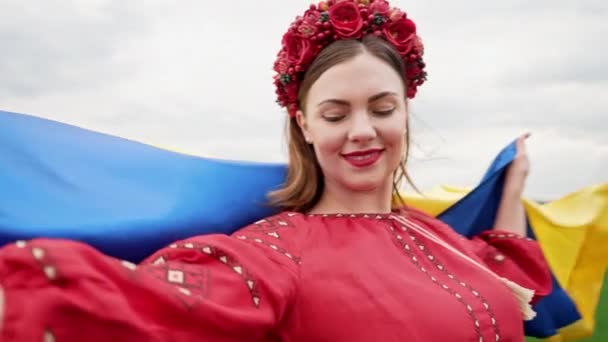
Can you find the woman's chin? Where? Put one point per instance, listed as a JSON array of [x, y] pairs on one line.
[[363, 186]]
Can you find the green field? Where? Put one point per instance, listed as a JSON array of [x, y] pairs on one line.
[[601, 324]]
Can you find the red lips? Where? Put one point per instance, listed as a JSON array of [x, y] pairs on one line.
[[364, 158]]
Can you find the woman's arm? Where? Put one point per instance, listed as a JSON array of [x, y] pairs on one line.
[[206, 288], [511, 214]]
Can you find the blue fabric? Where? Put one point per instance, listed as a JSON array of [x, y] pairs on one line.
[[128, 199], [477, 211], [125, 198]]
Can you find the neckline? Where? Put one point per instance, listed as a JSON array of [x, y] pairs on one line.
[[347, 215]]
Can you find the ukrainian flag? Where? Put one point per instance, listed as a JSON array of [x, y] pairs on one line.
[[128, 199], [573, 234]]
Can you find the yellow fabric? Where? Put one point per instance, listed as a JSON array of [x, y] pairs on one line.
[[573, 234], [437, 200]]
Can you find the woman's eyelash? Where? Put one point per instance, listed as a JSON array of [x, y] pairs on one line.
[[384, 112], [335, 118]]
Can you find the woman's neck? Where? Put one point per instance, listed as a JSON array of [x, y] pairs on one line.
[[337, 199]]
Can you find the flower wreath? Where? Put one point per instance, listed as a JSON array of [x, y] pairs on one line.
[[333, 20]]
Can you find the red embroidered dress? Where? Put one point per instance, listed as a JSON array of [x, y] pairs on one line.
[[291, 277]]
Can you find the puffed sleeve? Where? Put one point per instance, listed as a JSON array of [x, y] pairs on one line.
[[516, 258], [209, 288]]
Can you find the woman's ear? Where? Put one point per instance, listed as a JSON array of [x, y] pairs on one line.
[[303, 124]]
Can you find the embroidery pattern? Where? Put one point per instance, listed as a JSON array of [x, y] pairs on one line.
[[270, 224], [367, 216], [424, 249], [296, 259], [401, 242], [190, 280], [508, 236], [218, 254], [42, 259], [271, 228]]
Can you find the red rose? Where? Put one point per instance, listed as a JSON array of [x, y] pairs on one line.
[[411, 91], [291, 90], [281, 65], [346, 19], [396, 14], [381, 7], [298, 50], [418, 46], [412, 72], [307, 30], [402, 34], [308, 27], [311, 17], [292, 109]]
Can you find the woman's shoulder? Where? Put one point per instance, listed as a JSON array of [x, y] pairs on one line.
[[286, 223], [433, 224], [422, 217], [281, 234]]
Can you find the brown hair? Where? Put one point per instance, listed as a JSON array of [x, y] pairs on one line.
[[304, 185]]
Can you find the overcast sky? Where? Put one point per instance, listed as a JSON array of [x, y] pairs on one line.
[[195, 76]]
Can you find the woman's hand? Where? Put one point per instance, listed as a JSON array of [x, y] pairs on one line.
[[517, 173]]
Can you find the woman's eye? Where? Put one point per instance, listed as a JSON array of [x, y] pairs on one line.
[[385, 112], [333, 118]]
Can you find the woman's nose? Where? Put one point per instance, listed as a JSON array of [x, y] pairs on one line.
[[362, 128]]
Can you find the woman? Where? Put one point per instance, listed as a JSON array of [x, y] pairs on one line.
[[340, 263]]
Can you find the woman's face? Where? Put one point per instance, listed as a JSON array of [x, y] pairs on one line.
[[356, 119]]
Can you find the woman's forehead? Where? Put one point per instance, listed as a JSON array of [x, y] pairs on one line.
[[362, 76]]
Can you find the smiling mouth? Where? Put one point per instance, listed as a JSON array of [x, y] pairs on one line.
[[362, 159]]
